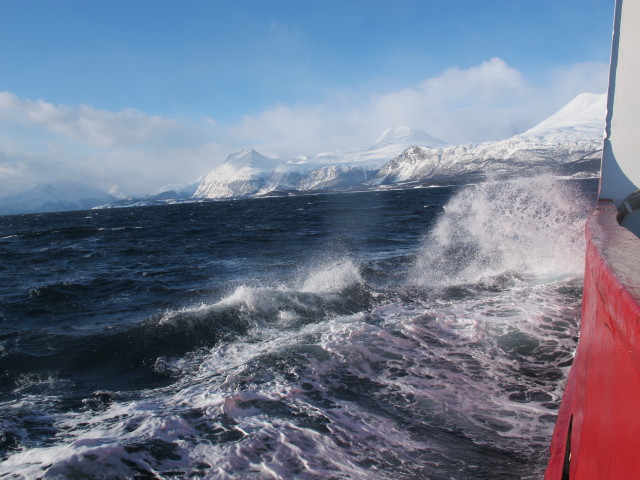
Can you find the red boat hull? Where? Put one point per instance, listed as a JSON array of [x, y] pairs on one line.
[[598, 428]]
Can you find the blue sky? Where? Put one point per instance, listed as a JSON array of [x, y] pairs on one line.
[[119, 90]]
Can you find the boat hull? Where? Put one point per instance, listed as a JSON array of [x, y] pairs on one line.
[[596, 433]]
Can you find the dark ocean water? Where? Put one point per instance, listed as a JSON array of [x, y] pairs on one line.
[[406, 334]]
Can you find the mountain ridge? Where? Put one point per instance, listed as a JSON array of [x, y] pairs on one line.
[[572, 135], [567, 142]]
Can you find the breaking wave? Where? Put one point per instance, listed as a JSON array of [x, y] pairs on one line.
[[527, 226]]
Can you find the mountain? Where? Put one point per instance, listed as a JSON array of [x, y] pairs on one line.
[[248, 173], [334, 177], [408, 136], [177, 192], [242, 174], [581, 118], [56, 197], [568, 142], [165, 195], [391, 143]]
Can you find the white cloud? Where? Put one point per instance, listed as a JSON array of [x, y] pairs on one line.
[[134, 153], [585, 77], [42, 142], [85, 124], [485, 102], [460, 105]]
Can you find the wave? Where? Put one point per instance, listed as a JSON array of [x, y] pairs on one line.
[[344, 370], [329, 288], [125, 354], [399, 391], [527, 226]]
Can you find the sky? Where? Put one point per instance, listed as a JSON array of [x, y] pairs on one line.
[[128, 96]]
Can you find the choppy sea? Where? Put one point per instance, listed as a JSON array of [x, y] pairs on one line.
[[407, 334]]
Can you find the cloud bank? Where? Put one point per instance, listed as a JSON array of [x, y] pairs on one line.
[[489, 101], [132, 152]]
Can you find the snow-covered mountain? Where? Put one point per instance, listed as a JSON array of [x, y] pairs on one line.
[[334, 177], [242, 174], [165, 195], [248, 173], [177, 191], [56, 197], [570, 141], [567, 142], [407, 136], [391, 143], [582, 118]]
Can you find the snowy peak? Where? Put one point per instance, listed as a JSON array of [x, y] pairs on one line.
[[176, 191], [242, 173], [251, 159], [583, 117], [569, 142], [390, 144], [404, 135]]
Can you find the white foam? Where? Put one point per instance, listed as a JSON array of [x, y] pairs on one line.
[[432, 364], [278, 303], [531, 226], [332, 277]]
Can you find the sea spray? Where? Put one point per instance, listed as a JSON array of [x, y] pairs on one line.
[[333, 275], [527, 226]]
